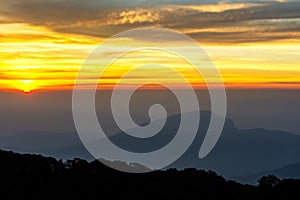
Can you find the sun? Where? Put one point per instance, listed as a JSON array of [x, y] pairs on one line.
[[26, 86]]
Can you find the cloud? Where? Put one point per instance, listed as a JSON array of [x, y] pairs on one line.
[[134, 16], [208, 21], [258, 23]]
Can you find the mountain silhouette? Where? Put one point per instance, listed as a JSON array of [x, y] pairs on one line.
[[286, 172], [238, 153]]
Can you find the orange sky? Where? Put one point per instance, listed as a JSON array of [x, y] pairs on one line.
[[37, 55]]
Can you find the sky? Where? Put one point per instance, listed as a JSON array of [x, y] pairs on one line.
[[51, 111], [254, 44]]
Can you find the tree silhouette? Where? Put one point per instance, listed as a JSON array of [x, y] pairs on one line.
[[38, 177], [269, 181]]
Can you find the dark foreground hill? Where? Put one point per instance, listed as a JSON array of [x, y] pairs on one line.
[[37, 177]]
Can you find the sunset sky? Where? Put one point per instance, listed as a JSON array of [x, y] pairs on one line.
[[254, 44]]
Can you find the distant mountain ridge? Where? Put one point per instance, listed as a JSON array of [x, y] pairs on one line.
[[286, 172], [238, 153]]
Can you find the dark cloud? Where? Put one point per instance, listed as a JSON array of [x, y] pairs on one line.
[[272, 21], [100, 18]]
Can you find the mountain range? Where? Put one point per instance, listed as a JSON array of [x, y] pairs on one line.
[[239, 154], [291, 171]]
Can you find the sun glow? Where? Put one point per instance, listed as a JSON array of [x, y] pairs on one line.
[[26, 86], [33, 61]]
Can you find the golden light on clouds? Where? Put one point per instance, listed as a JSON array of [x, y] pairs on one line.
[[251, 47], [133, 16], [36, 58], [219, 7]]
